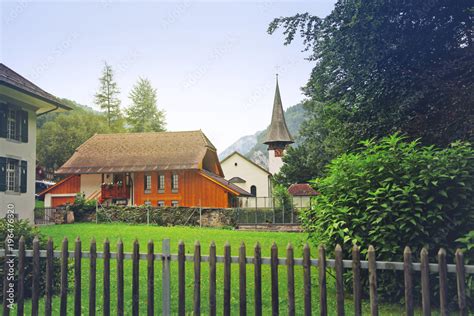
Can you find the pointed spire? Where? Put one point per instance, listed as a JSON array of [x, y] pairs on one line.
[[278, 131]]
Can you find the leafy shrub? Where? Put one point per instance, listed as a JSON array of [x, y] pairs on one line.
[[394, 193], [83, 210], [283, 202], [23, 228]]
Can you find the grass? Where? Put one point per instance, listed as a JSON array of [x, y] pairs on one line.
[[39, 204], [128, 233]]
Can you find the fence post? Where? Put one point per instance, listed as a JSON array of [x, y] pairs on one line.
[[425, 282], [461, 282], [96, 212], [21, 275], [374, 309], [6, 309], [166, 277], [148, 217]]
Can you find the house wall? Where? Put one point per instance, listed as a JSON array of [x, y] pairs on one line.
[[246, 170], [24, 203], [194, 190], [63, 192], [90, 184]]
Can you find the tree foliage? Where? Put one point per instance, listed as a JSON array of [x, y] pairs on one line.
[[386, 66], [107, 97], [58, 138], [143, 115], [391, 194]]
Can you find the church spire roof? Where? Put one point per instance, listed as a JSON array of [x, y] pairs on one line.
[[278, 131]]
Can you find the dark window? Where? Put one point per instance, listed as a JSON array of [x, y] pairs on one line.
[[161, 183], [174, 203], [161, 203], [147, 203], [13, 175], [147, 183], [253, 190], [13, 123], [174, 182]]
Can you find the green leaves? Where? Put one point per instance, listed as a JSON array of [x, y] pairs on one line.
[[394, 193]]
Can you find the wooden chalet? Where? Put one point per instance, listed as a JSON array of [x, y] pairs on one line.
[[158, 169]]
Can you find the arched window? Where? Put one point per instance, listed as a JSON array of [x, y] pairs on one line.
[[253, 190]]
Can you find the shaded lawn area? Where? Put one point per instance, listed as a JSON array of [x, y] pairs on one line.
[[128, 233]]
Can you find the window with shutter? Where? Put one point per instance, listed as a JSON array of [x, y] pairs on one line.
[[13, 177], [12, 124], [3, 174]]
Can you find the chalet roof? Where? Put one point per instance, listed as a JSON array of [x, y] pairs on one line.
[[11, 79], [130, 152], [301, 189], [278, 131], [227, 184]]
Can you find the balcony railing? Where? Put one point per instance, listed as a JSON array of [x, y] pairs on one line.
[[115, 191]]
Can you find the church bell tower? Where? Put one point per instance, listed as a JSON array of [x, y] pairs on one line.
[[278, 137]]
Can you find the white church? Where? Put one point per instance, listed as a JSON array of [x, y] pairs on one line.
[[248, 175]]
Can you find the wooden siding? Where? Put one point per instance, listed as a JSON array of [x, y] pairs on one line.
[[61, 200], [71, 184], [193, 190]]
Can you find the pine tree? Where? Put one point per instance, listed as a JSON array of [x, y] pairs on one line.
[[143, 115], [107, 97]]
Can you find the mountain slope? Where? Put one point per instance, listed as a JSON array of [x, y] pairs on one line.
[[252, 145]]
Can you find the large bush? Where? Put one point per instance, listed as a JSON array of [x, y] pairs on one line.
[[23, 228], [83, 209], [392, 194], [163, 216]]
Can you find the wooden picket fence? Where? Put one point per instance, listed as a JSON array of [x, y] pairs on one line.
[[307, 262]]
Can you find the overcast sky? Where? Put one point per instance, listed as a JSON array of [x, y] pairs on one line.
[[212, 63]]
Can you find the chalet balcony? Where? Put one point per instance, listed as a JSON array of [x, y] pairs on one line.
[[115, 191]]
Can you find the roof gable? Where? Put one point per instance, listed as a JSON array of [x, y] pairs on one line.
[[236, 153], [13, 80]]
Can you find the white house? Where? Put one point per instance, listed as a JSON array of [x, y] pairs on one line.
[[246, 174], [21, 102]]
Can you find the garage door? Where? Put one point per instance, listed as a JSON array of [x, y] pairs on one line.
[[61, 200]]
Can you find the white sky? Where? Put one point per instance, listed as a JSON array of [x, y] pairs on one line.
[[212, 63]]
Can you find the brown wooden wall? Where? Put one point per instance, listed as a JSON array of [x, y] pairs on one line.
[[61, 200], [193, 190], [71, 184]]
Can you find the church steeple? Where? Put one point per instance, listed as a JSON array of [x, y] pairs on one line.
[[278, 131], [278, 137]]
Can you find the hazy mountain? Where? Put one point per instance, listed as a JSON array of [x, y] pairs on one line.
[[252, 145]]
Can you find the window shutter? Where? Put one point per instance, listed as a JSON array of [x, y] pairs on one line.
[[3, 120], [3, 174], [18, 125], [23, 176], [24, 126]]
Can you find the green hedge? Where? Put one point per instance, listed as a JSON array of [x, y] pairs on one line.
[[162, 216], [391, 194]]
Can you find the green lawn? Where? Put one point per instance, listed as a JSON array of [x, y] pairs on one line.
[[128, 233]]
